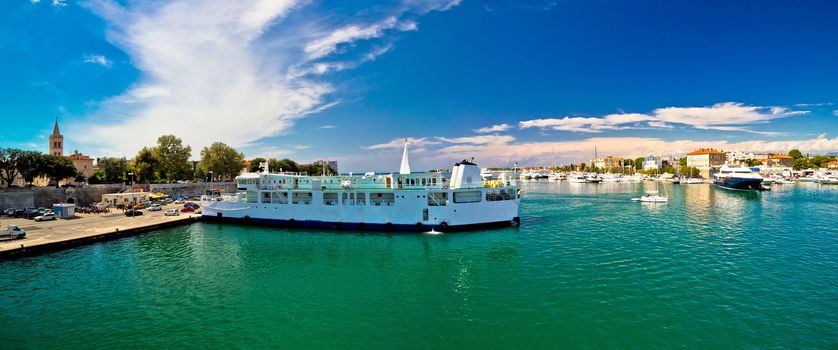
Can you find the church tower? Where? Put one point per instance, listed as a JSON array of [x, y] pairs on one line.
[[56, 141]]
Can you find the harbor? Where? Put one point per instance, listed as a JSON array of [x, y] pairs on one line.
[[54, 235], [711, 269]]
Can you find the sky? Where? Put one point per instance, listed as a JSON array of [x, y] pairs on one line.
[[528, 82]]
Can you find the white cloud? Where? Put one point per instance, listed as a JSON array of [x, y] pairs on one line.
[[399, 143], [493, 128], [348, 34], [97, 59], [539, 153], [835, 112], [59, 3], [728, 116], [217, 70], [328, 127], [722, 116], [480, 140]]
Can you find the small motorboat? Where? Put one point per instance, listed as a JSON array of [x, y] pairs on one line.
[[651, 197]]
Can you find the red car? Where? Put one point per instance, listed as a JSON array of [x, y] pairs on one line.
[[187, 210]]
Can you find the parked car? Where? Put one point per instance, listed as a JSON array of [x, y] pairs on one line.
[[133, 212], [187, 209], [45, 217], [9, 212], [179, 201], [172, 212], [139, 206], [13, 231], [192, 205], [155, 207], [30, 213]]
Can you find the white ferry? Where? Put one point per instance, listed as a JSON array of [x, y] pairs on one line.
[[405, 201]]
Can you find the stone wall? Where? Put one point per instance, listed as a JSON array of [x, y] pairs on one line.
[[47, 196], [192, 189], [17, 199], [85, 196]]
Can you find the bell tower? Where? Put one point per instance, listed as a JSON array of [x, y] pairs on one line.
[[56, 141]]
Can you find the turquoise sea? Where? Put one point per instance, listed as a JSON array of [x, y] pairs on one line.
[[587, 268]]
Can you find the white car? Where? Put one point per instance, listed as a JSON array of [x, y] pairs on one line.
[[45, 217], [179, 201], [172, 212], [155, 207]]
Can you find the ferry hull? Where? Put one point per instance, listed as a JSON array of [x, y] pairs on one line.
[[313, 224], [738, 183]]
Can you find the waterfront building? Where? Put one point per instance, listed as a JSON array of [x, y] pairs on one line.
[[609, 162], [652, 163], [83, 164], [705, 159], [832, 165], [739, 156], [780, 160]]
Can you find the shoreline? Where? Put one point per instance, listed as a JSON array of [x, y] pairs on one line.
[[65, 234]]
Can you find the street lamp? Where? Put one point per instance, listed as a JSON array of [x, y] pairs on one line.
[[210, 174], [131, 176]]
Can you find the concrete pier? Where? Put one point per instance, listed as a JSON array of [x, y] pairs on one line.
[[48, 236]]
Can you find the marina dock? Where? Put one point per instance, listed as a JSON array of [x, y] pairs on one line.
[[48, 236]]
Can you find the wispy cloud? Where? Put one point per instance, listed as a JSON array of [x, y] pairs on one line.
[[348, 34], [211, 64], [97, 59], [328, 127], [588, 124], [727, 116], [399, 143], [493, 128]]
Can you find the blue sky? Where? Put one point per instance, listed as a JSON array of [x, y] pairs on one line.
[[503, 81]]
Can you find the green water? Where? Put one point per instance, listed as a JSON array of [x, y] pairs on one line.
[[586, 269]]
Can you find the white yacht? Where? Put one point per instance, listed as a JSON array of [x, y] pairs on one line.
[[651, 197], [400, 201]]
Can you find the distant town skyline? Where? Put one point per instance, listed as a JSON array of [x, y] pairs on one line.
[[502, 81]]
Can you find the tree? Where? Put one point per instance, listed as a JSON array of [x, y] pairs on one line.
[[9, 157], [173, 157], [256, 165], [98, 177], [58, 168], [223, 161], [30, 165], [753, 162], [318, 168], [283, 165], [144, 166], [114, 170], [638, 163], [796, 154]]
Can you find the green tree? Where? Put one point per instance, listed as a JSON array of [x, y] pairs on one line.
[[638, 163], [144, 166], [30, 165], [98, 177], [173, 157], [114, 170], [283, 165], [796, 154], [753, 162], [256, 165], [222, 160], [58, 168], [9, 157]]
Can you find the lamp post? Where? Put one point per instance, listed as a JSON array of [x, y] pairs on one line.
[[210, 174], [131, 176]]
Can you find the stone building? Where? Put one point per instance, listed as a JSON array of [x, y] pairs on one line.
[[705, 159], [780, 160]]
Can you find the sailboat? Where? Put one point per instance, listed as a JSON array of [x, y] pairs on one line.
[[652, 197]]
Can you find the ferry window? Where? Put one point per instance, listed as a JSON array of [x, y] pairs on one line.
[[437, 199], [279, 197], [330, 198], [361, 199], [467, 197], [382, 199], [301, 197]]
